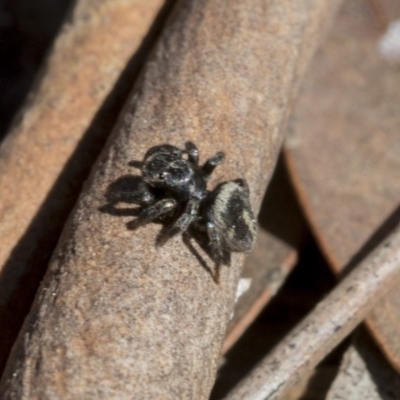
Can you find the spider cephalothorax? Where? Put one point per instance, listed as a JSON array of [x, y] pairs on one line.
[[174, 185]]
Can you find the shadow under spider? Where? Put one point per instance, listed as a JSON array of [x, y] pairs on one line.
[[121, 191], [202, 240]]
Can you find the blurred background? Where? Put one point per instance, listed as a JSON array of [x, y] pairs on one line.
[[27, 30], [292, 229]]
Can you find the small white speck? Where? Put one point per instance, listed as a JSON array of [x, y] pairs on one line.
[[389, 44], [243, 286]]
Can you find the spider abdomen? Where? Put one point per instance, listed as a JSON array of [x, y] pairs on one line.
[[231, 213]]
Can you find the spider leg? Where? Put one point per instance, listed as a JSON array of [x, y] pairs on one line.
[[211, 163], [147, 197], [193, 152], [215, 242], [142, 195], [152, 212], [188, 215], [123, 191]]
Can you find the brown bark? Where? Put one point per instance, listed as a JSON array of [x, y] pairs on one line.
[[49, 151], [116, 316]]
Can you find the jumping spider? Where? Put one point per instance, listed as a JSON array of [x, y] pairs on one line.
[[174, 186]]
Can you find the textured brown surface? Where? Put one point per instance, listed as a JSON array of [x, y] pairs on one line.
[[49, 152], [343, 150], [325, 327], [365, 374], [116, 316]]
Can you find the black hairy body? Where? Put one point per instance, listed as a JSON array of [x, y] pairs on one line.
[[174, 189]]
